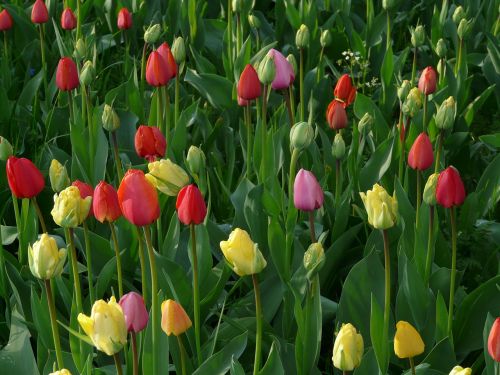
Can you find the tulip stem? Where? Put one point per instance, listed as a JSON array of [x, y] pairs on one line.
[[438, 150], [264, 134], [167, 113], [183, 354], [118, 259], [312, 231], [135, 358], [117, 361], [424, 122], [143, 266], [88, 255], [430, 247], [290, 208], [248, 122], [44, 59], [230, 33], [412, 365], [196, 294], [90, 123], [318, 70], [388, 36], [453, 268], [118, 161], [258, 317], [337, 183], [292, 101], [78, 21], [288, 107], [387, 300], [71, 109], [159, 110], [39, 214], [458, 61], [53, 323], [176, 98], [154, 295], [238, 33], [21, 251], [301, 71], [419, 197], [143, 70], [414, 66], [74, 268], [127, 53]]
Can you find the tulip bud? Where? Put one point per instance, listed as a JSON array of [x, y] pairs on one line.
[[464, 28], [441, 67], [293, 63], [67, 75], [413, 102], [336, 115], [242, 253], [5, 20], [195, 160], [428, 81], [237, 5], [152, 34], [407, 341], [388, 4], [61, 372], [301, 135], [150, 142], [344, 90], [421, 156], [429, 195], [302, 37], [365, 123], [87, 75], [417, 36], [110, 119], [267, 70], [45, 259], [124, 21], [5, 149], [404, 90], [39, 12], [174, 319], [441, 48], [105, 203], [348, 348], [134, 310], [68, 19], [179, 50], [338, 147], [190, 205], [167, 177], [85, 191], [445, 116], [253, 21], [70, 210], [459, 370], [249, 84], [326, 38], [494, 341], [284, 71], [59, 179], [314, 258], [307, 193], [458, 14], [382, 209], [80, 49], [450, 190], [24, 178]]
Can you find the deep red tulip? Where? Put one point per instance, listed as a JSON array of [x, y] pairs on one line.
[[190, 205], [105, 203], [150, 142], [39, 12], [138, 198], [157, 73], [450, 189], [169, 61], [68, 19], [124, 19], [307, 193], [67, 75], [249, 84], [5, 20], [336, 115], [421, 156], [344, 90], [494, 340], [85, 191], [427, 81], [135, 312], [25, 180]]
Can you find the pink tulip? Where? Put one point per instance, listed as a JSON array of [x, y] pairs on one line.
[[284, 71], [307, 194], [136, 315]]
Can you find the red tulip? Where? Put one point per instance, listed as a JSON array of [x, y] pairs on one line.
[[85, 191], [336, 115], [427, 81], [124, 19], [243, 102], [421, 156], [5, 20], [67, 75], [150, 143], [494, 340], [450, 189], [249, 84], [39, 12], [25, 180], [105, 203], [134, 310], [68, 19], [190, 205], [307, 193], [169, 61], [157, 73], [138, 198], [344, 90]]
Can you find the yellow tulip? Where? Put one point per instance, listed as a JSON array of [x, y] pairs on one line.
[[382, 209], [61, 372], [58, 175], [105, 326], [167, 177], [348, 348], [70, 210], [407, 341], [242, 253], [174, 318], [45, 259], [459, 370]]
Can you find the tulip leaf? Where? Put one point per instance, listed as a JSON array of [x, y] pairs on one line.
[[273, 365], [490, 363], [216, 89], [442, 356], [377, 165], [379, 343]]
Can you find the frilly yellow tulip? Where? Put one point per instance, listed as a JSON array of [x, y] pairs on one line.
[[459, 370], [58, 175], [242, 253], [167, 177], [70, 210], [61, 372], [407, 341], [382, 209], [348, 348], [45, 259]]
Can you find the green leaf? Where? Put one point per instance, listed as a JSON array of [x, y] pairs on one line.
[[491, 139], [380, 346], [273, 364], [378, 164], [216, 89]]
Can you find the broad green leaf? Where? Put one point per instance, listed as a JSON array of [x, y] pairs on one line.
[[216, 89]]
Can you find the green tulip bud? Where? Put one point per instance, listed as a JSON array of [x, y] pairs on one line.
[[80, 49], [338, 146], [417, 36], [464, 28], [326, 38], [291, 59], [388, 4], [441, 67], [430, 189], [441, 48], [301, 135], [458, 15], [110, 120], [196, 160], [237, 5], [87, 75], [152, 34], [365, 123], [314, 259], [302, 37], [413, 102], [253, 21], [179, 50], [404, 90], [267, 70], [5, 149], [445, 116], [58, 175]]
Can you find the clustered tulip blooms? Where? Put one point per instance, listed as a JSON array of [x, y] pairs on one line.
[[70, 209], [167, 176], [284, 73], [25, 180], [161, 66], [450, 190], [85, 191]]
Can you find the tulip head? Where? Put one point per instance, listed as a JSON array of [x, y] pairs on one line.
[[344, 90], [307, 193], [59, 179], [302, 37], [85, 191], [445, 116], [459, 370], [336, 115], [68, 19], [5, 20], [314, 258], [179, 50], [266, 70], [404, 90], [464, 28], [39, 12], [25, 180], [417, 36], [124, 21], [494, 340], [169, 60], [429, 195], [253, 21], [338, 147], [413, 102], [326, 38], [249, 84], [365, 123], [105, 203], [156, 70], [428, 80], [135, 312], [6, 150], [242, 254], [190, 205], [301, 135], [441, 48], [110, 119], [150, 143], [196, 160], [407, 341], [70, 209], [348, 348], [450, 190], [421, 155], [45, 259], [80, 49], [382, 209], [167, 177], [87, 74], [285, 74], [293, 62], [174, 319], [152, 33], [67, 75], [458, 15], [388, 4], [61, 372]]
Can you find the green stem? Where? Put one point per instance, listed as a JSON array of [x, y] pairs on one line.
[[44, 58], [289, 236], [87, 113], [127, 52], [53, 323], [387, 298], [118, 259], [74, 268], [143, 70], [301, 71], [196, 294], [438, 151], [458, 61], [71, 109], [412, 365], [238, 33], [6, 50], [419, 197], [230, 33], [249, 140], [143, 266], [176, 98], [288, 107], [183, 354], [118, 364], [78, 20], [424, 122], [402, 144], [88, 255], [258, 316], [414, 67], [154, 296], [264, 134], [159, 110], [135, 357], [430, 247], [39, 214], [21, 251], [312, 231], [118, 160], [292, 101], [318, 75], [453, 268], [388, 36], [167, 113], [338, 186]]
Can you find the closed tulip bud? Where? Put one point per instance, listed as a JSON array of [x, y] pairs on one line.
[[421, 155], [61, 372], [167, 177], [105, 326], [344, 90], [195, 160], [348, 348], [464, 28], [174, 319], [338, 146], [445, 116], [314, 258], [191, 208], [253, 21], [59, 179], [39, 12], [68, 19], [459, 370], [242, 253], [5, 20], [45, 259], [441, 48], [237, 5], [285, 73], [307, 193], [88, 73], [293, 63], [105, 203], [428, 80], [429, 195], [249, 84], [156, 70], [326, 38], [450, 190], [417, 36], [70, 210], [407, 341], [67, 75], [25, 180], [134, 310], [179, 50], [6, 150], [388, 4], [302, 37], [494, 340], [382, 209], [138, 199], [169, 60], [150, 143], [152, 34], [85, 191], [441, 67], [365, 123], [124, 21], [413, 102], [458, 14], [301, 135], [267, 70], [110, 119], [404, 90], [336, 115], [80, 49]]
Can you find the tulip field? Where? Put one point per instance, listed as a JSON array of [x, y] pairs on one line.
[[249, 187]]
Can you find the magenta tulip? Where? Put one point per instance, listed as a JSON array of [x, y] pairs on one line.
[[134, 309], [284, 71], [307, 193]]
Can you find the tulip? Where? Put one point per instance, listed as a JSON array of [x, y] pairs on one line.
[[417, 36], [150, 143], [85, 191], [138, 198], [267, 70], [464, 28], [326, 38], [427, 81], [494, 340], [134, 309], [68, 19], [61, 372], [110, 119], [5, 20], [382, 209], [365, 123], [445, 116], [242, 253], [87, 75], [6, 150], [404, 90], [157, 73], [459, 370], [307, 193], [70, 210], [25, 180], [459, 14], [242, 102], [167, 177], [67, 75], [190, 205], [441, 48], [302, 37], [179, 50], [301, 135], [39, 12], [106, 326], [169, 62], [412, 103], [46, 260], [80, 49], [338, 146], [348, 348], [421, 156], [344, 90], [430, 189], [249, 84], [314, 258], [336, 115], [450, 189], [152, 33], [285, 75], [124, 21], [196, 160], [105, 203], [407, 341], [174, 319]]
